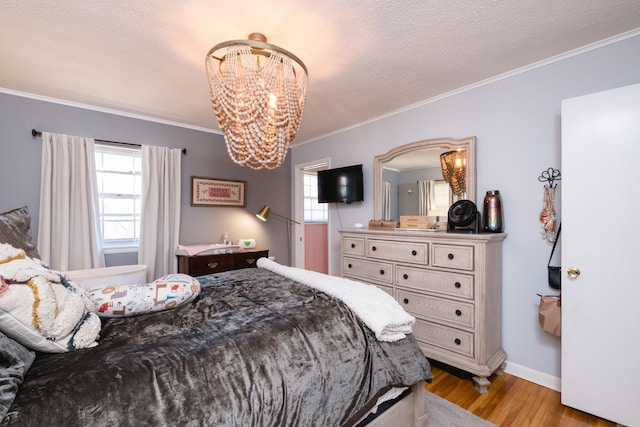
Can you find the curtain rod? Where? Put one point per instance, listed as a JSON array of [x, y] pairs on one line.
[[36, 133]]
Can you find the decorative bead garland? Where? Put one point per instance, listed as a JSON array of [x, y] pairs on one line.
[[258, 104]]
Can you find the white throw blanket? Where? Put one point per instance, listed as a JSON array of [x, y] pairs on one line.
[[376, 308]]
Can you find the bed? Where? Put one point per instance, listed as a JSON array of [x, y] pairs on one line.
[[254, 348]]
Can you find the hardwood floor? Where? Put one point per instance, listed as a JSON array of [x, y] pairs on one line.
[[511, 401]]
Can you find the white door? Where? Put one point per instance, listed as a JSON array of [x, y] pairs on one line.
[[601, 238]]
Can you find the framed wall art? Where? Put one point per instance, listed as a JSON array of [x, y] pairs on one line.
[[217, 192]]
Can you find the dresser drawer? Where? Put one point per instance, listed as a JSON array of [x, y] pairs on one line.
[[387, 289], [201, 265], [247, 260], [376, 271], [397, 251], [452, 256], [451, 339], [452, 284], [353, 246], [437, 309]]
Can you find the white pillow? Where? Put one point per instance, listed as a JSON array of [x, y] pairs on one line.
[[40, 308], [165, 293]]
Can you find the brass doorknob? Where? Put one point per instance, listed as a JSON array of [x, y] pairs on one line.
[[573, 272]]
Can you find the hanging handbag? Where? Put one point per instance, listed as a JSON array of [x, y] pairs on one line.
[[554, 272], [550, 314]]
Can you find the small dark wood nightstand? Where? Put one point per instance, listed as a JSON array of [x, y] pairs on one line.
[[199, 265]]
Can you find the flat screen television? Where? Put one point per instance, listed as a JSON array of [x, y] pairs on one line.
[[340, 185]]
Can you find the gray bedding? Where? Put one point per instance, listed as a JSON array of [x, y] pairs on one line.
[[254, 349]]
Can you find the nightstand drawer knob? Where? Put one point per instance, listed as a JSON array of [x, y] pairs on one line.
[[458, 313], [457, 341], [349, 265], [414, 252], [250, 260], [373, 248], [405, 276], [457, 285], [450, 256], [382, 272], [353, 245], [212, 264], [406, 300]]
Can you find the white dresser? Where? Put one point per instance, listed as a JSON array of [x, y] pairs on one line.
[[450, 282]]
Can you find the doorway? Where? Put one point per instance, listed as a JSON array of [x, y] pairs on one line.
[[312, 238]]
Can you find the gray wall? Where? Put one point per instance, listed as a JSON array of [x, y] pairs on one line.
[[517, 122], [206, 156]]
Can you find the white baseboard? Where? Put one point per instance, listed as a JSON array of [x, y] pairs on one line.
[[537, 377]]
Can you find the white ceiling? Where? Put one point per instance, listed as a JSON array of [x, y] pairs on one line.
[[366, 58]]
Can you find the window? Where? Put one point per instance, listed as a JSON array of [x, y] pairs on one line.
[[119, 177], [313, 211]]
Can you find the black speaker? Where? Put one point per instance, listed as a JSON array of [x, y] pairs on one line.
[[464, 217]]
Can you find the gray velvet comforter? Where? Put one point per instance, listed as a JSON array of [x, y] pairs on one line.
[[254, 349]]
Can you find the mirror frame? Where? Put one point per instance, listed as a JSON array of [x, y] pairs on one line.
[[468, 144]]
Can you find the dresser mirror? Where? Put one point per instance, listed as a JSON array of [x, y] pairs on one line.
[[399, 174]]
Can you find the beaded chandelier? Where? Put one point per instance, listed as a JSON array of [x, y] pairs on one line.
[[258, 93], [454, 170]]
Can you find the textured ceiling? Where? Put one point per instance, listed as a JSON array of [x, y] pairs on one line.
[[366, 58]]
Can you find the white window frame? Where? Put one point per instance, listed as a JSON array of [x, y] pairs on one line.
[[129, 154], [311, 197]]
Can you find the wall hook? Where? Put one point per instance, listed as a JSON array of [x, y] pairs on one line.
[[550, 176]]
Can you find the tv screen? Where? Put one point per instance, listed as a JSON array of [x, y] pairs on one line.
[[340, 185]]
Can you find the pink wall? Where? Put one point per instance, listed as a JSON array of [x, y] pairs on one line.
[[315, 248]]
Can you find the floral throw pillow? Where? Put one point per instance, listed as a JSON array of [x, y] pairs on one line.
[[165, 293]]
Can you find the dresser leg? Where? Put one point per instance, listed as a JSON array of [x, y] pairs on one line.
[[500, 370], [482, 384]]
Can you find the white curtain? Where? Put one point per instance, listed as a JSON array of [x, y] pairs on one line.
[[160, 212], [386, 200], [425, 192], [68, 230]]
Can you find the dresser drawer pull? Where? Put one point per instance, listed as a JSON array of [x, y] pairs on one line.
[[382, 272], [353, 245], [250, 260], [450, 256], [457, 285], [405, 276], [414, 252], [212, 264], [457, 341], [458, 313], [349, 265], [406, 300], [373, 248]]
